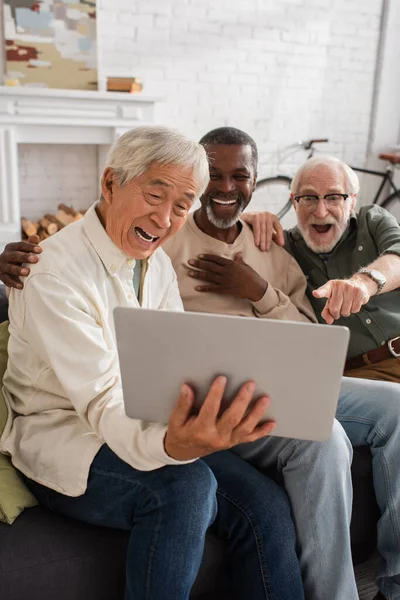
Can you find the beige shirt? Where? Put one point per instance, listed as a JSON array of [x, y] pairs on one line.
[[285, 297], [63, 381]]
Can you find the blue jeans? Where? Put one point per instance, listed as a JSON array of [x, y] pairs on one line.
[[369, 411], [317, 478], [168, 512]]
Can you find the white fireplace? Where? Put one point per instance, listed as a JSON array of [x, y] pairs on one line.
[[46, 116]]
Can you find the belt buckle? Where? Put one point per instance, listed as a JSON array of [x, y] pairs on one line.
[[391, 349]]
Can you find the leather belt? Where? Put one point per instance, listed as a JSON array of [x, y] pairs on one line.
[[389, 350]]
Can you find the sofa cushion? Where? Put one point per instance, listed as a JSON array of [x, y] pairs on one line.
[[14, 495], [44, 556]]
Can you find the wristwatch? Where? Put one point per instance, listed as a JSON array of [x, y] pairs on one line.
[[376, 276]]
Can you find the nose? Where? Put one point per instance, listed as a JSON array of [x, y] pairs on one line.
[[161, 216], [321, 210], [226, 185]]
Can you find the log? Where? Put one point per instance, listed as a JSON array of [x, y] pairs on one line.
[[50, 227], [69, 210], [53, 219], [42, 233], [64, 218], [28, 227]]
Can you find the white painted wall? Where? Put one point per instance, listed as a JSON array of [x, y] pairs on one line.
[[283, 70], [385, 130]]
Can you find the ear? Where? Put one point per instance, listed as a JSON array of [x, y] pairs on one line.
[[295, 204], [254, 182], [353, 202], [107, 183]]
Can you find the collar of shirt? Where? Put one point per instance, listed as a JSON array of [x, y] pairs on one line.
[[111, 256]]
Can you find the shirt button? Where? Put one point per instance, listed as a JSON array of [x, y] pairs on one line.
[[368, 321], [360, 248], [130, 296], [113, 268], [131, 262]]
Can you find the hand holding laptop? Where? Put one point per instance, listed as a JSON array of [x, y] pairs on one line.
[[192, 436]]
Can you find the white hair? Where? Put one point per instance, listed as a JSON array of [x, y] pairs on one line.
[[138, 148], [352, 182]]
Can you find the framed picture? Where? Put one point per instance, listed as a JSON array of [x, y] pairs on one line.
[[50, 43]]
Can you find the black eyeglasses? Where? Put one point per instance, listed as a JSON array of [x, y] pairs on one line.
[[311, 201]]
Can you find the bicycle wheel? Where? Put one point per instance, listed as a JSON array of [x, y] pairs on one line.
[[392, 204], [272, 194]]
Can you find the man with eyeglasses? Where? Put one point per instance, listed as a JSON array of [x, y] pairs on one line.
[[351, 261], [352, 264]]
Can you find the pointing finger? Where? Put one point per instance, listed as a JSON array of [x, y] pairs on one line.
[[324, 291]]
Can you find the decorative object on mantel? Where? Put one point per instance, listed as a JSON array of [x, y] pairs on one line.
[[50, 43], [132, 85], [50, 224]]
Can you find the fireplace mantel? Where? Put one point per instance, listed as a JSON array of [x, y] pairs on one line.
[[46, 116]]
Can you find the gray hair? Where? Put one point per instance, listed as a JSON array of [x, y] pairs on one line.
[[138, 148], [352, 182]]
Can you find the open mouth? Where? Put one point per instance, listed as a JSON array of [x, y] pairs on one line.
[[224, 208], [145, 236], [224, 202], [322, 228]]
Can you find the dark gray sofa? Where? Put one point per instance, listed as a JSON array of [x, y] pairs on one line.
[[47, 557]]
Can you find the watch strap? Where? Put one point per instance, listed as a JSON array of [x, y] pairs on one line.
[[379, 282]]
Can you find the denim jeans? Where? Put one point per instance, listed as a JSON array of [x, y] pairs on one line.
[[317, 478], [168, 512], [369, 411]]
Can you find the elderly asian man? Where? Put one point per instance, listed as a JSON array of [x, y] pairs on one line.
[[68, 433]]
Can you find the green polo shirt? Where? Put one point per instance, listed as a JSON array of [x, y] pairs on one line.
[[371, 232]]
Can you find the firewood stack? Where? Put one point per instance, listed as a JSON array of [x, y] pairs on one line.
[[50, 224]]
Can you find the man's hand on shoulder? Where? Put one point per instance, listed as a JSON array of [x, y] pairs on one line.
[[12, 258], [266, 229], [345, 296], [230, 277]]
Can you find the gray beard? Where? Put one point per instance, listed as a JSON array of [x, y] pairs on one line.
[[319, 248], [223, 223]]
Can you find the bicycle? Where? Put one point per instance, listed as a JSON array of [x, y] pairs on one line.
[[279, 185]]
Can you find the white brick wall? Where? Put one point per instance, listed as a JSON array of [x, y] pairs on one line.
[[281, 70], [57, 173]]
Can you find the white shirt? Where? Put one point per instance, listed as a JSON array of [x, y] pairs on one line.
[[63, 380]]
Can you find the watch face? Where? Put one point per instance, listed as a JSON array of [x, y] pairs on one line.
[[377, 275]]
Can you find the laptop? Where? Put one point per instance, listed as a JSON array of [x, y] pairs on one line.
[[299, 365]]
